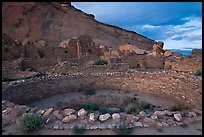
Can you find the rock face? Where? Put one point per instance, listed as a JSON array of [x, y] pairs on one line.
[[131, 48], [53, 23]]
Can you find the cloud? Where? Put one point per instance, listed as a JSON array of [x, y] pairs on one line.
[[189, 32], [171, 22]]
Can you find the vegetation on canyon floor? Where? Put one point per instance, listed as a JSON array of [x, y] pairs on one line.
[[31, 122]]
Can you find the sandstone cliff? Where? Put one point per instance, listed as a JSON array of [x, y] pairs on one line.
[[48, 21]]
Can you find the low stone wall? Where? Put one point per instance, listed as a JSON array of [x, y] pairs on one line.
[[184, 89]]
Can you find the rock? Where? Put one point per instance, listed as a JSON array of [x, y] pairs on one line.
[[41, 112], [197, 51], [116, 117], [160, 44], [142, 114], [82, 112], [68, 111], [146, 125], [150, 122], [154, 54], [167, 53], [129, 117], [58, 115], [93, 117], [178, 117], [47, 112], [104, 117], [69, 118], [158, 49], [191, 114], [159, 124], [168, 113], [159, 113], [198, 111], [164, 124], [179, 123], [137, 124], [64, 44], [154, 116], [170, 121], [131, 48]]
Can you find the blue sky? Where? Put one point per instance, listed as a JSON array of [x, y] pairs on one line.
[[177, 24]]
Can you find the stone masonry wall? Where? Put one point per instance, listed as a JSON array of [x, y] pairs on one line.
[[171, 86]]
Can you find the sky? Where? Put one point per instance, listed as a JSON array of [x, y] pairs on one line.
[[177, 24]]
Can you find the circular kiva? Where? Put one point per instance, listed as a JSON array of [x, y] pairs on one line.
[[168, 85]]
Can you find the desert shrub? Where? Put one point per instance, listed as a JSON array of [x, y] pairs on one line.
[[90, 106], [133, 108], [90, 91], [198, 72], [103, 110], [32, 122], [145, 105], [122, 130], [78, 130], [101, 62], [41, 74], [175, 108], [7, 79]]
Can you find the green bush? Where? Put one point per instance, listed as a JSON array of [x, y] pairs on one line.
[[101, 62], [133, 108], [103, 110], [41, 74], [199, 72], [32, 122], [146, 105], [176, 108], [90, 91], [7, 79], [90, 107], [122, 130], [78, 130]]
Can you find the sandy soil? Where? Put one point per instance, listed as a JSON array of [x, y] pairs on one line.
[[193, 129]]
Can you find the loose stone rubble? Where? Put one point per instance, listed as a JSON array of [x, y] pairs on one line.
[[67, 120]]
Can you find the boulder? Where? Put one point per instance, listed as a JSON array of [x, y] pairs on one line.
[[142, 114], [137, 124], [57, 114], [178, 117], [159, 113], [116, 117], [132, 48], [82, 112], [154, 116], [68, 111], [104, 117], [69, 118], [167, 53], [150, 122], [93, 117], [47, 112]]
